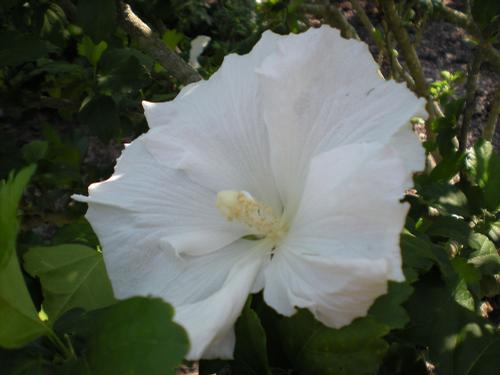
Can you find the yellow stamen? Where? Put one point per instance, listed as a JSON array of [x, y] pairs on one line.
[[259, 218]]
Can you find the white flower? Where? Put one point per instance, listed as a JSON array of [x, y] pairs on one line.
[[300, 143]]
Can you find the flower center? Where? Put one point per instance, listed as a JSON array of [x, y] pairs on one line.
[[259, 218]]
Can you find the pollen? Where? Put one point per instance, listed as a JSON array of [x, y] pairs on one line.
[[258, 217]]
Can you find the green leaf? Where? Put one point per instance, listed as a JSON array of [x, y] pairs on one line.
[[35, 150], [449, 227], [387, 309], [313, 348], [421, 253], [91, 51], [11, 192], [485, 256], [459, 341], [172, 38], [483, 167], [71, 276], [250, 353], [446, 198], [135, 336], [97, 17], [19, 319], [100, 114], [17, 48]]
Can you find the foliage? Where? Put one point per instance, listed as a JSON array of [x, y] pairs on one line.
[[71, 85]]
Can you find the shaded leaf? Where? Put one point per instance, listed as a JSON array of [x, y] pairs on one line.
[[313, 348], [458, 340], [250, 353], [17, 48], [135, 336], [71, 276], [100, 114], [387, 309], [90, 50]]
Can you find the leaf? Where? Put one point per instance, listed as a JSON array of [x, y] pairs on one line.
[[446, 198], [17, 48], [71, 276], [172, 38], [35, 150], [449, 227], [313, 348], [19, 319], [100, 115], [250, 353], [135, 336], [97, 17], [459, 341], [11, 192], [387, 309], [485, 256], [483, 167], [91, 51]]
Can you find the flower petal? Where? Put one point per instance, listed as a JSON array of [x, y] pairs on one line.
[[336, 291], [216, 126], [322, 91], [351, 205], [343, 245], [208, 291], [160, 200], [210, 322]]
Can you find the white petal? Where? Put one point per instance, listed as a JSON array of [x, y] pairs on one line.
[[210, 322], [219, 137], [208, 291], [322, 91], [351, 205], [336, 291], [343, 245], [160, 200]]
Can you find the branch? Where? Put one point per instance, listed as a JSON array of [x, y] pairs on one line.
[[470, 98], [492, 120], [150, 43], [409, 53]]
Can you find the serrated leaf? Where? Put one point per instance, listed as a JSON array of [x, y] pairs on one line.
[[313, 348], [135, 336], [250, 353], [387, 309], [19, 322], [458, 340], [71, 276]]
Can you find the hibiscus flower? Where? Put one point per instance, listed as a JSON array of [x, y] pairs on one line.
[[282, 173]]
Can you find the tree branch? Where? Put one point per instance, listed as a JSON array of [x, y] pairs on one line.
[[150, 43]]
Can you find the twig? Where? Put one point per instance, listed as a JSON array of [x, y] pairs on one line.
[[150, 43], [333, 16], [470, 98], [492, 120], [409, 53]]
